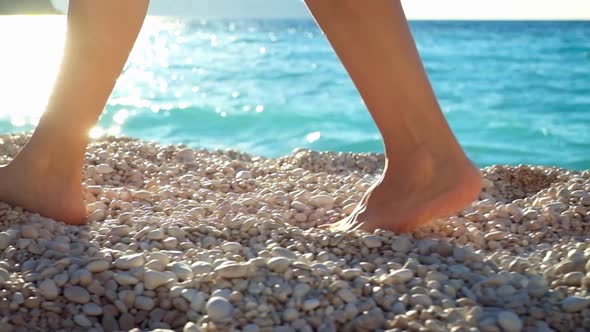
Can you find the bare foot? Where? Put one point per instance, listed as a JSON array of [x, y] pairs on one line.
[[414, 192], [53, 194]]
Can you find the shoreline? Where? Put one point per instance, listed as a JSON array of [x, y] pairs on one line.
[[196, 240]]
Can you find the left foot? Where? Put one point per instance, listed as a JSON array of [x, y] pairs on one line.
[[56, 194]]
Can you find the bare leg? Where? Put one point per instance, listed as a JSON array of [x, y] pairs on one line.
[[46, 176], [428, 174]]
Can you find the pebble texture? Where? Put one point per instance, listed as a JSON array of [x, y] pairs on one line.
[[189, 240]]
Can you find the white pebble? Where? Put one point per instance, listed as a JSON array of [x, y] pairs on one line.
[[372, 241], [186, 155], [201, 268], [399, 276], [125, 279], [323, 201], [509, 321], [283, 252], [402, 245], [233, 247], [97, 266], [5, 240], [219, 309], [104, 169], [156, 234], [182, 271], [243, 175], [155, 279], [574, 303], [82, 320], [310, 304], [232, 270], [278, 264], [92, 309], [48, 289], [144, 303], [76, 294], [127, 262], [346, 295]]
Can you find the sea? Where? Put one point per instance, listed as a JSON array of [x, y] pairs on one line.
[[513, 92]]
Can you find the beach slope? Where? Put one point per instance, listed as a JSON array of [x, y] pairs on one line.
[[194, 240]]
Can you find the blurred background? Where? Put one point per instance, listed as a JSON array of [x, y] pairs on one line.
[[259, 76]]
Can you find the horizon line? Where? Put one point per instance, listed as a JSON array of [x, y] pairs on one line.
[[458, 19]]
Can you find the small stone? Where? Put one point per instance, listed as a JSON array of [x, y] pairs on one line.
[[233, 247], [92, 309], [103, 169], [420, 299], [509, 321], [82, 320], [251, 328], [156, 234], [186, 155], [278, 264], [300, 217], [76, 294], [350, 274], [219, 309], [232, 270], [98, 266], [402, 245], [399, 276], [127, 262], [144, 303], [301, 290], [4, 276], [120, 230], [323, 201], [30, 231], [48, 289], [372, 241], [191, 327], [346, 295], [283, 252], [495, 236], [573, 278], [182, 271], [5, 240], [125, 279], [155, 265], [243, 175], [371, 321], [290, 314], [574, 303], [126, 322], [170, 243], [154, 279], [196, 298], [201, 268], [310, 304]]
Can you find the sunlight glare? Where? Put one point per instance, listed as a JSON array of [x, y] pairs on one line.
[[312, 137], [29, 62], [96, 132]]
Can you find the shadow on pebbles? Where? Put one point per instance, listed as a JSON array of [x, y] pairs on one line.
[[191, 240]]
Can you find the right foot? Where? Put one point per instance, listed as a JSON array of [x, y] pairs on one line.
[[55, 195], [415, 191]]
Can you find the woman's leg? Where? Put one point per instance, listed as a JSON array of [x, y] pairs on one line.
[[46, 176], [428, 174]]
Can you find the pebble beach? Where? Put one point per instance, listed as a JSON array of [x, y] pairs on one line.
[[193, 240]]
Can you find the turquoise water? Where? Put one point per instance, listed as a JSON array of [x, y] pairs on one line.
[[513, 92]]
